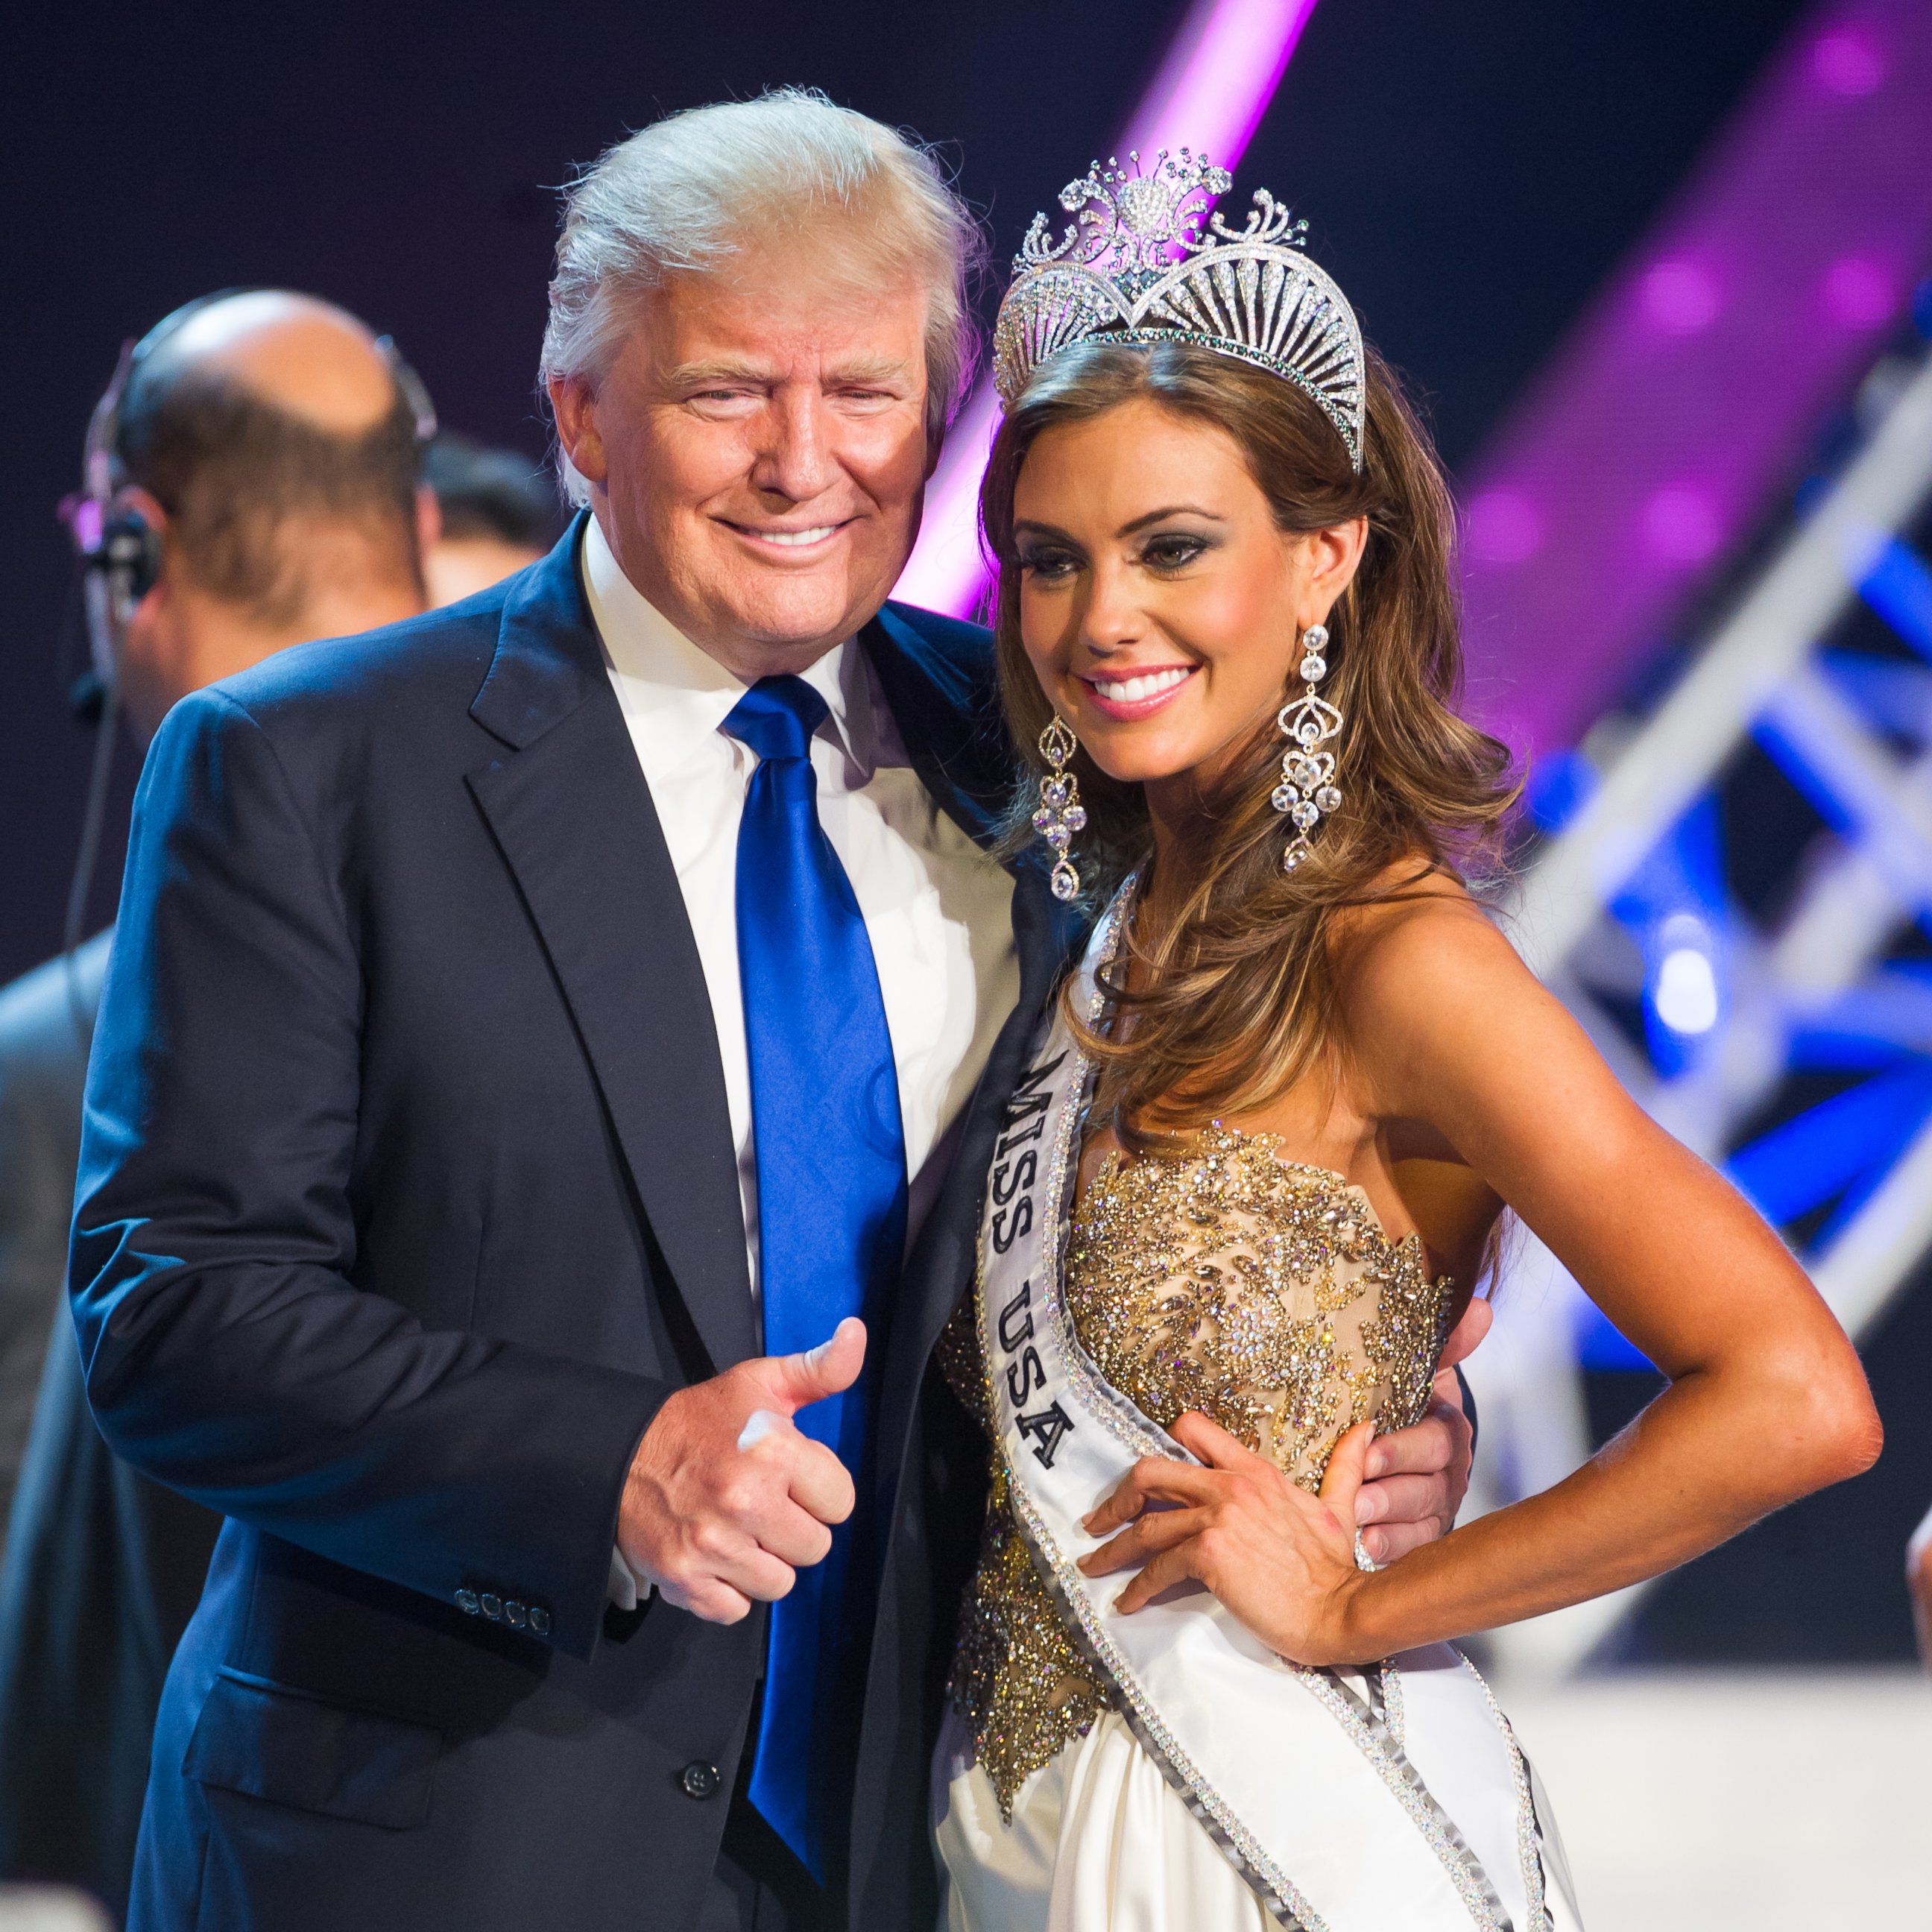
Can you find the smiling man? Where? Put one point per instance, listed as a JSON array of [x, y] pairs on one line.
[[535, 1131], [755, 458]]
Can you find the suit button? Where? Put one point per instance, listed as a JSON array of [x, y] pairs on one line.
[[492, 1606], [539, 1620], [466, 1602], [701, 1780], [513, 1614]]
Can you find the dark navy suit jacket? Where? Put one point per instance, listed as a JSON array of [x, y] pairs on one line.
[[407, 1196]]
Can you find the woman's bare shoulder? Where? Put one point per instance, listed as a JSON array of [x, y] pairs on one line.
[[1429, 955], [1411, 906]]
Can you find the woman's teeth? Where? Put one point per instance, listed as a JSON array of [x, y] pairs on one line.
[[1131, 690]]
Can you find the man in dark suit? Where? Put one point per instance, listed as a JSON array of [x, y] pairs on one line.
[[520, 1020], [263, 446]]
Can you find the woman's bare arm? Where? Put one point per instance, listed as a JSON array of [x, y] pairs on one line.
[[1766, 1402]]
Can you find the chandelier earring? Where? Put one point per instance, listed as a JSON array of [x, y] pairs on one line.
[[1060, 814], [1307, 792]]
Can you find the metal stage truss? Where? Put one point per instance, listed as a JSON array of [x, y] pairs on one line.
[[1733, 893]]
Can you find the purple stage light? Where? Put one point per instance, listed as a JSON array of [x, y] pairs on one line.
[[1685, 395], [1505, 526], [1681, 296], [1682, 524], [1848, 59], [1859, 292], [1218, 79], [1210, 95]]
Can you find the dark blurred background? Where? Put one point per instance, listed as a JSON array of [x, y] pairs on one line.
[[1471, 174]]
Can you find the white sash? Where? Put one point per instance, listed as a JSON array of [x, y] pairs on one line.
[[1312, 1782]]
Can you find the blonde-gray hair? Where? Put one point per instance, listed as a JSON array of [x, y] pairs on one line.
[[690, 192]]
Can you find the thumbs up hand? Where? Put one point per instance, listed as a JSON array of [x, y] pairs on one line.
[[726, 1499]]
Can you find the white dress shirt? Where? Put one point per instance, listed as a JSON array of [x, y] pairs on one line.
[[937, 909]]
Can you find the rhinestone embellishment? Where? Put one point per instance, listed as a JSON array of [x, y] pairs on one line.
[[1060, 814], [1307, 793], [1147, 260]]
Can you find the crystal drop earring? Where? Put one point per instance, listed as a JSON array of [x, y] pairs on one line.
[[1307, 792], [1060, 813]]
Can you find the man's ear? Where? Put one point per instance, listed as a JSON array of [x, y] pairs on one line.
[[153, 643], [935, 442], [131, 498], [146, 505], [574, 406]]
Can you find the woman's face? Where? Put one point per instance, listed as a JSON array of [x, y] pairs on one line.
[[1161, 608]]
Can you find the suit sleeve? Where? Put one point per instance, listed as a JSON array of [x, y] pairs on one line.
[[229, 1353]]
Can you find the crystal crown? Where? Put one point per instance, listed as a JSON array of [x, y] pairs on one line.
[[1134, 266]]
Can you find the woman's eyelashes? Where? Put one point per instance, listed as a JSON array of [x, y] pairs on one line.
[[1170, 551], [1165, 553], [1048, 563]]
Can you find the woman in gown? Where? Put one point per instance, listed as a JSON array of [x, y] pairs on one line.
[[1265, 1146]]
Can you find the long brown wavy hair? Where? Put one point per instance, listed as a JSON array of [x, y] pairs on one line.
[[1237, 1000]]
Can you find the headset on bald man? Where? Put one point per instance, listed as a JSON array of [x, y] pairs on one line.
[[119, 549]]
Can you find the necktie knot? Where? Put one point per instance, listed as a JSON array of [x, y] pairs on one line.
[[777, 717]]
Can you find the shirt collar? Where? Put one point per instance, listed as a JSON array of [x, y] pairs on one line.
[[684, 695]]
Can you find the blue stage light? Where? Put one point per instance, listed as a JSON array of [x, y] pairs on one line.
[[1808, 1160], [1898, 587]]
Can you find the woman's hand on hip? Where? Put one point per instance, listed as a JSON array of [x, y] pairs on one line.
[[1282, 1561]]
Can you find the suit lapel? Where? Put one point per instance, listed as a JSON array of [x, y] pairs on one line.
[[573, 818], [946, 703], [942, 1265], [949, 719]]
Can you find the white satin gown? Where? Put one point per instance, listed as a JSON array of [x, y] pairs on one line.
[[1268, 1296]]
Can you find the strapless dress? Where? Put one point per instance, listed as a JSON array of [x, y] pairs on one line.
[[1268, 1295]]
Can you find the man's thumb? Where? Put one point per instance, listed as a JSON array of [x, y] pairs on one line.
[[834, 1365], [1467, 1335], [1347, 1465]]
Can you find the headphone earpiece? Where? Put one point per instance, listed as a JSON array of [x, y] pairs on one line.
[[120, 550], [119, 566], [130, 551]]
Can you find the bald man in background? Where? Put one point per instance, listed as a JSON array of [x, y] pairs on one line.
[[266, 439]]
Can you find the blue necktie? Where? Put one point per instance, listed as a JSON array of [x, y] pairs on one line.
[[832, 1209]]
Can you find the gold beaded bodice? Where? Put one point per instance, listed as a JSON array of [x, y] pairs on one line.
[[1222, 1279]]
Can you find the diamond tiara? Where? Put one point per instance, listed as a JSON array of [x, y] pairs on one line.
[[1135, 267]]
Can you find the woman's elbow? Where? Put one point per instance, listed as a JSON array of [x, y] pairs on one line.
[[1861, 1435], [1834, 1431]]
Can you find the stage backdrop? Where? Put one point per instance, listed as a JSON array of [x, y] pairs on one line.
[[1471, 173]]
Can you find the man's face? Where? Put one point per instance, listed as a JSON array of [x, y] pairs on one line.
[[756, 454]]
